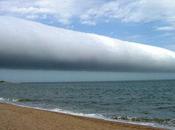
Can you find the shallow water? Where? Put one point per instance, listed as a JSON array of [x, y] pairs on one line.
[[135, 101]]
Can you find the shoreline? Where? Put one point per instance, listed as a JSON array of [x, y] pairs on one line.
[[14, 117]]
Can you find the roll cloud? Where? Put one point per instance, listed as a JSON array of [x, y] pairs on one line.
[[30, 45]]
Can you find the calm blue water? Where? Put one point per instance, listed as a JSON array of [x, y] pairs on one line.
[[136, 101]]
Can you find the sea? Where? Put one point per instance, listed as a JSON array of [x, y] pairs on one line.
[[139, 102]]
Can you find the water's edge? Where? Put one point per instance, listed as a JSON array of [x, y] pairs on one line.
[[93, 116]]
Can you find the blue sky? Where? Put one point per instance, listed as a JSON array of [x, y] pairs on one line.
[[144, 21]]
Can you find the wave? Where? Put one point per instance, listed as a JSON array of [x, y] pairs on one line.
[[25, 100], [155, 122], [92, 115], [16, 100], [30, 100], [1, 99], [22, 100], [142, 119], [7, 100]]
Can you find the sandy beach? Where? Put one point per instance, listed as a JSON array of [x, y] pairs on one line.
[[21, 118]]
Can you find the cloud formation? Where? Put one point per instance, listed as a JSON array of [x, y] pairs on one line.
[[92, 11], [29, 45], [61, 10]]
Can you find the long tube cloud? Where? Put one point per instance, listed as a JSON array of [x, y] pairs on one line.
[[30, 45]]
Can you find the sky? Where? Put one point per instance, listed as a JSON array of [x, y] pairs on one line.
[[144, 21], [136, 21]]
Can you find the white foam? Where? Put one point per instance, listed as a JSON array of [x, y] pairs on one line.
[[91, 115], [7, 100], [1, 99], [4, 100]]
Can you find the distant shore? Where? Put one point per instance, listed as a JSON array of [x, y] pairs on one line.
[[21, 118], [2, 81]]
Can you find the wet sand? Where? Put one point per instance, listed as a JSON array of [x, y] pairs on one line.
[[21, 118]]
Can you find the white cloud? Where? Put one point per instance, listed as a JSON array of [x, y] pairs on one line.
[[134, 11], [166, 28], [92, 11], [31, 45], [63, 10]]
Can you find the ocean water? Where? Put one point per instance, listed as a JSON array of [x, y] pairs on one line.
[[145, 102]]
